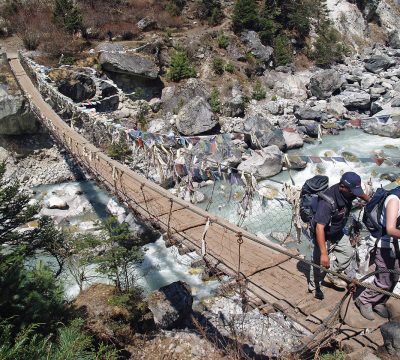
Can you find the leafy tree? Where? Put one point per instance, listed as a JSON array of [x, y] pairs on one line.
[[259, 92], [245, 15], [282, 50], [122, 250], [180, 67], [215, 101], [67, 14]]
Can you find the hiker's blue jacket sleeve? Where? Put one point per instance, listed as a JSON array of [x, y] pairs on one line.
[[323, 214]]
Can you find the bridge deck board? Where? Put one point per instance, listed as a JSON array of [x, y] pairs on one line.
[[270, 274]]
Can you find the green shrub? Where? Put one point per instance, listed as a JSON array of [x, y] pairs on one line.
[[218, 65], [180, 66], [245, 15], [175, 7], [283, 52], [118, 150], [328, 47], [31, 40], [215, 101], [216, 16], [210, 10], [223, 41], [230, 68], [259, 92]]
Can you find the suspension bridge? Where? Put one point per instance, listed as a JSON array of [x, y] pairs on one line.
[[273, 278]]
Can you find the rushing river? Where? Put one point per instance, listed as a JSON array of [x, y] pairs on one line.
[[162, 265]]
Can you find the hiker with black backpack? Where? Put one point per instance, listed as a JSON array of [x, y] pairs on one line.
[[382, 219], [327, 212]]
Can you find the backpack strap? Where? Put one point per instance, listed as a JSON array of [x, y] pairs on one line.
[[331, 203]]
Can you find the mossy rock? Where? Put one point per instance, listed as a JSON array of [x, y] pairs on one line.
[[390, 146], [268, 192], [329, 153], [349, 156], [329, 125]]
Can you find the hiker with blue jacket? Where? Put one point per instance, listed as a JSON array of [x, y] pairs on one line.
[[387, 256], [332, 248]]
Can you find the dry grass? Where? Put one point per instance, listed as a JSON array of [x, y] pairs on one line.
[[302, 62]]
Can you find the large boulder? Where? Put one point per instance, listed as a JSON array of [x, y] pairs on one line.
[[325, 83], [78, 88], [147, 23], [263, 163], [308, 113], [14, 118], [132, 64], [292, 138], [176, 96], [57, 203], [171, 305], [262, 133], [287, 85], [378, 63], [253, 42], [383, 124], [394, 39], [355, 100], [196, 117]]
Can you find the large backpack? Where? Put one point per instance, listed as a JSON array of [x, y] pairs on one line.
[[311, 193], [373, 211]]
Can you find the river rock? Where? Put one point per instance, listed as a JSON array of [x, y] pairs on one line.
[[253, 42], [391, 337], [367, 81], [308, 113], [353, 100], [57, 203], [390, 128], [293, 139], [275, 107], [310, 127], [378, 63], [196, 117], [263, 163], [171, 305], [132, 64], [394, 39], [395, 102], [262, 133], [326, 82], [78, 88]]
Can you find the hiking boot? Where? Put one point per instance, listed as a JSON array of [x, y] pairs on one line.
[[318, 294], [335, 281], [382, 310], [365, 309]]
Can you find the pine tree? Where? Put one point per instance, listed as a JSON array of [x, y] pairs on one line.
[[180, 67], [245, 15], [68, 15], [282, 50]]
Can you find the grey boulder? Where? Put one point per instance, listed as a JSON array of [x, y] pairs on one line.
[[382, 124], [378, 63], [307, 113], [196, 117], [325, 83], [131, 64], [391, 337], [263, 163], [78, 88], [147, 23], [293, 139], [253, 42], [171, 305], [394, 39], [355, 100], [261, 133]]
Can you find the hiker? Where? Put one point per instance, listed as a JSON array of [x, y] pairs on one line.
[[332, 248], [109, 34], [387, 256]]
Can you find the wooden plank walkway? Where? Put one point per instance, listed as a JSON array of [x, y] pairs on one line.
[[274, 277]]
